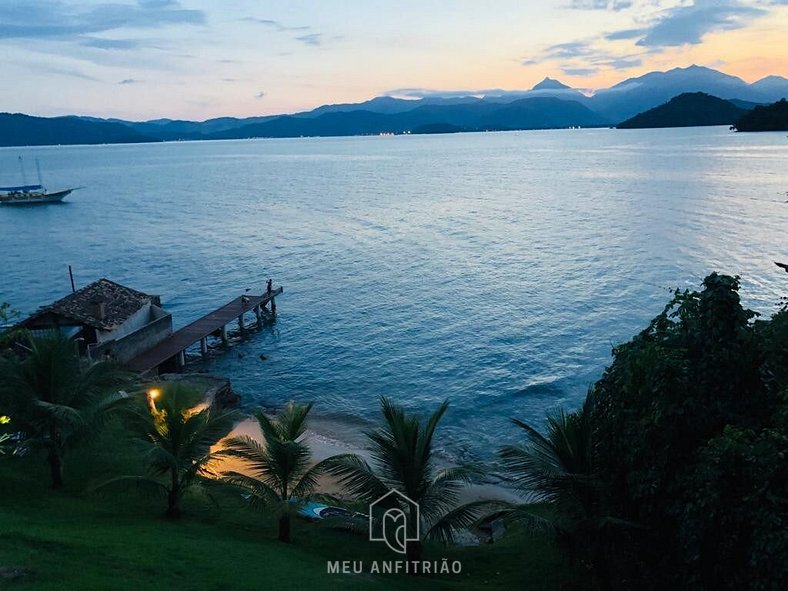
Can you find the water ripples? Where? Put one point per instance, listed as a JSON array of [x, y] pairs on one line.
[[495, 270]]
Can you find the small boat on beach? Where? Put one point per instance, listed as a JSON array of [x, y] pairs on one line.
[[31, 194]]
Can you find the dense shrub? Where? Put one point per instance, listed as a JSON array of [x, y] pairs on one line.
[[691, 433]]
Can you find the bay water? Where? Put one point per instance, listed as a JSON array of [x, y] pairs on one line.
[[495, 270]]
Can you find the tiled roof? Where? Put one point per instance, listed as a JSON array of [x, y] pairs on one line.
[[120, 303]]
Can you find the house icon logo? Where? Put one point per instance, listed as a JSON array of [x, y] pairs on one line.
[[394, 519]]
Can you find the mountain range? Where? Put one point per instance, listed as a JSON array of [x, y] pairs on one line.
[[17, 129], [549, 104]]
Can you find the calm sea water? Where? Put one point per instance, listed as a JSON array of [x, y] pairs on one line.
[[495, 270]]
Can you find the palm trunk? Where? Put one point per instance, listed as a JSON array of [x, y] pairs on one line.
[[601, 569], [173, 511], [414, 551], [284, 520], [55, 460], [284, 529], [55, 457]]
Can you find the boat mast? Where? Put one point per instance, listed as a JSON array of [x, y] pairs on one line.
[[22, 166], [38, 168]]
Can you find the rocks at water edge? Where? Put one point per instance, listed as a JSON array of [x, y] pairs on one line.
[[216, 389]]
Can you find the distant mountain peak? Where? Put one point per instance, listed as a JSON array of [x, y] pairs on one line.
[[694, 75], [695, 69], [551, 84], [772, 80], [692, 68]]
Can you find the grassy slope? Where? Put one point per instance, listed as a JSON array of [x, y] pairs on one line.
[[87, 543]]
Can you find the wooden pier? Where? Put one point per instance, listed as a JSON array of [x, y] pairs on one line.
[[176, 344]]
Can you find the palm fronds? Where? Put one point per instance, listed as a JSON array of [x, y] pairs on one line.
[[277, 475], [356, 477], [176, 440], [458, 519], [56, 399], [402, 459], [550, 467], [558, 468]]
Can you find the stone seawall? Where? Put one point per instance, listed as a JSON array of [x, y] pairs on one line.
[[217, 389]]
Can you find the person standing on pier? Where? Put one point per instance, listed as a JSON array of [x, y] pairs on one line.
[[270, 286]]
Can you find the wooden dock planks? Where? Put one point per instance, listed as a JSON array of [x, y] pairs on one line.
[[181, 339]]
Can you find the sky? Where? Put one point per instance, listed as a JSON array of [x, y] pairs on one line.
[[196, 59]]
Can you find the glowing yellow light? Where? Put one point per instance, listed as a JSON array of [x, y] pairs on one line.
[[153, 393], [4, 420]]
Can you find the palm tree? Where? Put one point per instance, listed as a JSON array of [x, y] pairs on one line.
[[402, 454], [176, 436], [558, 468], [56, 399], [278, 476]]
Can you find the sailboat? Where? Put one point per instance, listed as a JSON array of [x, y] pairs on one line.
[[31, 194]]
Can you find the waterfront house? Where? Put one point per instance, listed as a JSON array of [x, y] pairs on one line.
[[107, 320]]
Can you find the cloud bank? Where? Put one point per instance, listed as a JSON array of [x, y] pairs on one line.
[[53, 19]]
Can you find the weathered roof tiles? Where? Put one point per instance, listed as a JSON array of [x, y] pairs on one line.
[[103, 304]]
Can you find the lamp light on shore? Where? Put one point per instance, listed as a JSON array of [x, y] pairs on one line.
[[152, 395]]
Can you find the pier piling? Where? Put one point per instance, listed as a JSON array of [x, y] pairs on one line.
[[176, 344]]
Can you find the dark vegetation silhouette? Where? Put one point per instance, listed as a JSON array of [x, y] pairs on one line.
[[175, 435], [403, 459], [279, 475], [56, 399], [772, 117], [673, 475], [692, 109]]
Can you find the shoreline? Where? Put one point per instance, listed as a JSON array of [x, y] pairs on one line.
[[327, 436], [323, 438]]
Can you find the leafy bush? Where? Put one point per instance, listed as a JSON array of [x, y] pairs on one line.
[[691, 431]]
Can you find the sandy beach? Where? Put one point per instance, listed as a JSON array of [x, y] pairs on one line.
[[326, 437], [330, 437]]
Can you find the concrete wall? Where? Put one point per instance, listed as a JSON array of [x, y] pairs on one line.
[[136, 321], [134, 343]]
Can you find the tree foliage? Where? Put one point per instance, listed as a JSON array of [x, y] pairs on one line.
[[8, 332], [403, 460], [559, 468], [56, 399], [278, 474], [176, 434], [772, 117], [690, 431]]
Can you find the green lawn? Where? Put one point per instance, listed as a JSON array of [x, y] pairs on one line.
[[77, 542]]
